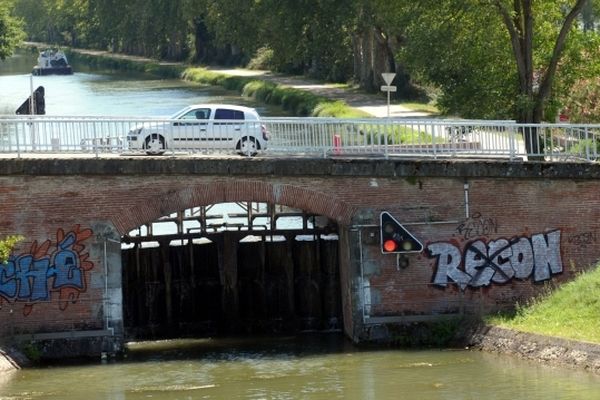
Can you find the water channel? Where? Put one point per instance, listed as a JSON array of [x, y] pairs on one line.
[[307, 366]]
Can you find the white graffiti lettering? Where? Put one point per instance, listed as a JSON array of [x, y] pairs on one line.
[[499, 261]]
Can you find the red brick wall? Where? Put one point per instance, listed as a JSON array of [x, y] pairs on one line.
[[39, 207]]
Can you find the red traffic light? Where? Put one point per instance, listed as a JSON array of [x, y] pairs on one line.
[[395, 238], [390, 245]]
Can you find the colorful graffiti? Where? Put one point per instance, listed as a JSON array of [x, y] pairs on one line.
[[34, 276], [481, 262]]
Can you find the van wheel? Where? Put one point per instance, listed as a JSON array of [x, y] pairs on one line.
[[247, 146], [155, 145]]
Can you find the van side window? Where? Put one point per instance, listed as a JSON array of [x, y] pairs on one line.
[[201, 113], [224, 113]]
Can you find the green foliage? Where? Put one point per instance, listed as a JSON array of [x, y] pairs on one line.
[[582, 105], [11, 32], [7, 245], [391, 134], [263, 59], [587, 148], [32, 351], [460, 47], [298, 102], [123, 64], [570, 312]]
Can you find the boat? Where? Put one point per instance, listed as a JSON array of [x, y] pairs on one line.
[[52, 61]]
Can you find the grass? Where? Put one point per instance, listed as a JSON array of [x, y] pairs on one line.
[[572, 311], [421, 107], [298, 102]]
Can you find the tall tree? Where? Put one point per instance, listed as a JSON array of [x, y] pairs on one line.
[[519, 21], [11, 32]]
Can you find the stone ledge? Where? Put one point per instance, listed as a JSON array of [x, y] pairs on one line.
[[273, 166], [544, 349]]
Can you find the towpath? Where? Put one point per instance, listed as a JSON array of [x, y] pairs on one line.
[[374, 104]]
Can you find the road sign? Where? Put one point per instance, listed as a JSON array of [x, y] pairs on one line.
[[388, 77]]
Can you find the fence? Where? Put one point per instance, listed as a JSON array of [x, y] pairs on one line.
[[321, 137]]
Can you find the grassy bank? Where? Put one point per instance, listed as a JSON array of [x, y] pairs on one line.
[[571, 312], [298, 102]]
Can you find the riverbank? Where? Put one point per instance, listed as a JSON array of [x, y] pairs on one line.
[[299, 95], [543, 349]]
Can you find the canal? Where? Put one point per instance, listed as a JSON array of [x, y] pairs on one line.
[[303, 366], [109, 93]]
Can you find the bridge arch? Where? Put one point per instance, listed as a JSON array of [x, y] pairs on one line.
[[302, 198]]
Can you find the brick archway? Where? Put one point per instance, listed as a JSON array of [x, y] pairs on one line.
[[232, 191]]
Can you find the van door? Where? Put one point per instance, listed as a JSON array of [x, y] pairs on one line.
[[227, 127], [192, 130]]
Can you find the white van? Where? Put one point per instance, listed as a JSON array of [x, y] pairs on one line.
[[203, 127]]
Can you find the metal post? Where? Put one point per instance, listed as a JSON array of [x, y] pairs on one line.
[[31, 112], [388, 104]]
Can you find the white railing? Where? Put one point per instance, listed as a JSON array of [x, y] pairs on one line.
[[321, 137]]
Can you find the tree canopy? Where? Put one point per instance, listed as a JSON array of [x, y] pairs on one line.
[[516, 59], [10, 29]]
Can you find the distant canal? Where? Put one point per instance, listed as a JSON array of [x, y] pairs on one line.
[[109, 93], [322, 366]]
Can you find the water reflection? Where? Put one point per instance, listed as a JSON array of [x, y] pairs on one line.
[[109, 93], [303, 367]]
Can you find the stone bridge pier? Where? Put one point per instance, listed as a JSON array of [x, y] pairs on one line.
[[494, 233]]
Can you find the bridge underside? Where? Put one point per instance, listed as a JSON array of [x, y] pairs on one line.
[[236, 268]]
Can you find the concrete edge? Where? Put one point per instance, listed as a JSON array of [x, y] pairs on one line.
[[544, 349], [11, 359]]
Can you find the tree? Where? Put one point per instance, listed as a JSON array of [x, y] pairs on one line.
[[534, 90], [11, 33]]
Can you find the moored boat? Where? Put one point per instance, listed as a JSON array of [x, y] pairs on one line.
[[52, 62]]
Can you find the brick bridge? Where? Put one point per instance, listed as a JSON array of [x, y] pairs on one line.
[[494, 233]]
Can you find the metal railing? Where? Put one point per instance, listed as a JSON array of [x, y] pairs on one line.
[[322, 137]]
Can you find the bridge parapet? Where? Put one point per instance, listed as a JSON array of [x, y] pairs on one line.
[[301, 137]]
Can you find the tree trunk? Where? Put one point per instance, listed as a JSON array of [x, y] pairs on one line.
[[519, 24], [372, 56]]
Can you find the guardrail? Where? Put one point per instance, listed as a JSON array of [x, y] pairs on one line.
[[321, 137]]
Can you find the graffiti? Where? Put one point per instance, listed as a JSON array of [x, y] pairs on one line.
[[583, 239], [497, 261], [33, 277], [477, 226]]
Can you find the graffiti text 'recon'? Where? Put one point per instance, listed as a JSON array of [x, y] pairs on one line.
[[497, 261]]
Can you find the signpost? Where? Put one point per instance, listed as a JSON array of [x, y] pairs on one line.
[[388, 77]]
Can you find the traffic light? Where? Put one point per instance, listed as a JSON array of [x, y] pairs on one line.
[[395, 238]]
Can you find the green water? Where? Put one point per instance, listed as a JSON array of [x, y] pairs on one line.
[[304, 367]]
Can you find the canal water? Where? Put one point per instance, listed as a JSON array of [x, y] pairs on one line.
[[109, 93], [307, 366]]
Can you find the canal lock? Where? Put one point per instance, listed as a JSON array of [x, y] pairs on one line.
[[219, 283]]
